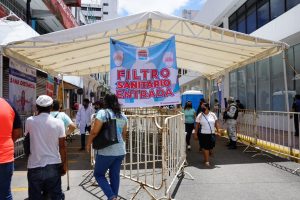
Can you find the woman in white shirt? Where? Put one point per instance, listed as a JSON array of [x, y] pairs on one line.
[[208, 122]]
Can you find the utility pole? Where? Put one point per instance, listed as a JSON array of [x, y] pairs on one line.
[[28, 13]]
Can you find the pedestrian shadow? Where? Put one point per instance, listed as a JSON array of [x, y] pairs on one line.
[[223, 156], [90, 185]]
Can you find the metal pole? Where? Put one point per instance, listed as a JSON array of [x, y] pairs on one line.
[[28, 12], [1, 73], [286, 97], [63, 92]]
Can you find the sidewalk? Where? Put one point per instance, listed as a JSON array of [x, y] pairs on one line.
[[235, 176]]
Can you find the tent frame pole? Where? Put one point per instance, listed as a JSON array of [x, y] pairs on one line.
[[1, 73], [284, 57]]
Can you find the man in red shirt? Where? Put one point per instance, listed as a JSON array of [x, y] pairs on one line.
[[10, 131]]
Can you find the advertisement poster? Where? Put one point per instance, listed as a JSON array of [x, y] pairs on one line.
[[50, 86], [22, 87], [144, 77]]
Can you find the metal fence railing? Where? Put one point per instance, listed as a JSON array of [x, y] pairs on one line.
[[270, 131], [156, 152], [18, 149]]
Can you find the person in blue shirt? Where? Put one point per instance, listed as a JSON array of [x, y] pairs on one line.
[[68, 123], [189, 120], [109, 158]]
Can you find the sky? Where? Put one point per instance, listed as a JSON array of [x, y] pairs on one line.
[[173, 7]]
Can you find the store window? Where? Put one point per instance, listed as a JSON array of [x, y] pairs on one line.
[[291, 3], [232, 22], [251, 85], [251, 19], [297, 66], [241, 22], [263, 85], [277, 84], [232, 84], [277, 8], [263, 13], [241, 85]]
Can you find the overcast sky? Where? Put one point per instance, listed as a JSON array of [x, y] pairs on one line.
[[174, 7]]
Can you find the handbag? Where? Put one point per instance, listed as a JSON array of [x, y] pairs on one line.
[[26, 144], [107, 136]]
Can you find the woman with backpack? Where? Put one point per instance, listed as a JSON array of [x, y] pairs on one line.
[[207, 120]]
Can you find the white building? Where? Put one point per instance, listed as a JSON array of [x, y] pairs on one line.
[[258, 85], [99, 10]]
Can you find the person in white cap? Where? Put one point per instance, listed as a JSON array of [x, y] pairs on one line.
[[230, 116], [47, 158]]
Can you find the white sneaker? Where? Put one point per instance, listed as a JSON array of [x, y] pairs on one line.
[[189, 147]]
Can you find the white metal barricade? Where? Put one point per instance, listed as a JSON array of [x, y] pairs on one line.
[[19, 149], [271, 131], [156, 152]]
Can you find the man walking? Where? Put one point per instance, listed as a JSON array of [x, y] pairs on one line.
[[47, 158], [83, 120], [231, 115], [10, 131]]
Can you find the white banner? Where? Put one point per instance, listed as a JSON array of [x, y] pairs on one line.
[[22, 87]]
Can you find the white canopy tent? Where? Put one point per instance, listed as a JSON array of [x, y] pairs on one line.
[[84, 50], [12, 29]]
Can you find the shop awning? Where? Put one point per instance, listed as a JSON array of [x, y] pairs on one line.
[[85, 50]]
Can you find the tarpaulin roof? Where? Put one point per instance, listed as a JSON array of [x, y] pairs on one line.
[[14, 30], [85, 50]]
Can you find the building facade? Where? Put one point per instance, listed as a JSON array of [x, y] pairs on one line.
[[99, 10], [259, 85]]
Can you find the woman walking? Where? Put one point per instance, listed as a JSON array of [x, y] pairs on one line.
[[189, 116], [109, 158], [208, 122]]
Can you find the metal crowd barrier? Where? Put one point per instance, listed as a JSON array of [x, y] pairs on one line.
[[19, 150], [156, 153], [270, 131]]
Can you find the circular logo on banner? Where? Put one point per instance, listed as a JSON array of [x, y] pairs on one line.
[[142, 54], [168, 59], [118, 58]]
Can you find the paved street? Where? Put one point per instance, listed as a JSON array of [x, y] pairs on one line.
[[235, 176]]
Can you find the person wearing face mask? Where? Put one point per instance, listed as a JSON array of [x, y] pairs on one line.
[[83, 120], [189, 116], [207, 120]]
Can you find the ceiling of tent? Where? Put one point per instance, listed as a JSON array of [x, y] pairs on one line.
[[84, 50]]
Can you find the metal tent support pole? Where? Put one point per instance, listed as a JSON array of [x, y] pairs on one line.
[[1, 73], [287, 99], [63, 91]]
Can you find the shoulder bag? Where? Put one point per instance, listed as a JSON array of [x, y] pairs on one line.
[[107, 136]]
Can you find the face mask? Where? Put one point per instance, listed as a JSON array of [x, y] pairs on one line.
[[203, 109], [189, 105]]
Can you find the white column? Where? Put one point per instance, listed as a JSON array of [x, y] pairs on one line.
[[286, 97]]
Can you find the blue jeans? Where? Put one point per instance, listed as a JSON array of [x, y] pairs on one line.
[[6, 172], [45, 181], [113, 164]]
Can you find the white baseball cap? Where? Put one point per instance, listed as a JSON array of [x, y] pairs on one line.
[[44, 101], [231, 98]]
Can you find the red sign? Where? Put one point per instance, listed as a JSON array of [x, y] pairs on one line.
[[73, 3], [62, 12]]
